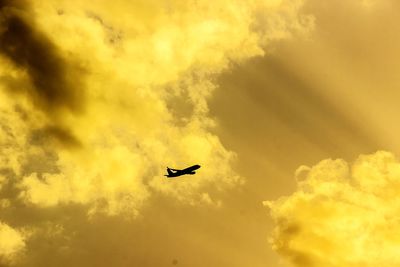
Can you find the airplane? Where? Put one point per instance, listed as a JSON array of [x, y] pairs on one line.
[[175, 173]]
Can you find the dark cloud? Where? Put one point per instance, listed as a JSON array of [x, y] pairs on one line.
[[40, 137], [54, 80], [12, 4]]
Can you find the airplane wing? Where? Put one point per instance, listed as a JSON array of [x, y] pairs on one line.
[[174, 170]]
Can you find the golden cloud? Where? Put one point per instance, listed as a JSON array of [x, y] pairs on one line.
[[12, 243], [97, 99], [90, 93], [341, 214]]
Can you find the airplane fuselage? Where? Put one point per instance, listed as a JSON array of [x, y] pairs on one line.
[[175, 173]]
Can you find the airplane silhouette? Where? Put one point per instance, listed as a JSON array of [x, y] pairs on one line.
[[176, 173]]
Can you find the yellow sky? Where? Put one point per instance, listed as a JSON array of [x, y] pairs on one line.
[[98, 98]]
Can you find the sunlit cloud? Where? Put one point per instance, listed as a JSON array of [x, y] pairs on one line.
[[91, 92], [96, 100], [12, 243], [341, 214]]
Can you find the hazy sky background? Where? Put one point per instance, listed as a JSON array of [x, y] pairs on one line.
[[98, 98]]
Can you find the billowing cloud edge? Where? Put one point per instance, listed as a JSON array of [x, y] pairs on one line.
[[341, 214]]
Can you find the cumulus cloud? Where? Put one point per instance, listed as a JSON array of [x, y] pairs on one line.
[[12, 243], [91, 93], [341, 214], [97, 99], [90, 101]]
